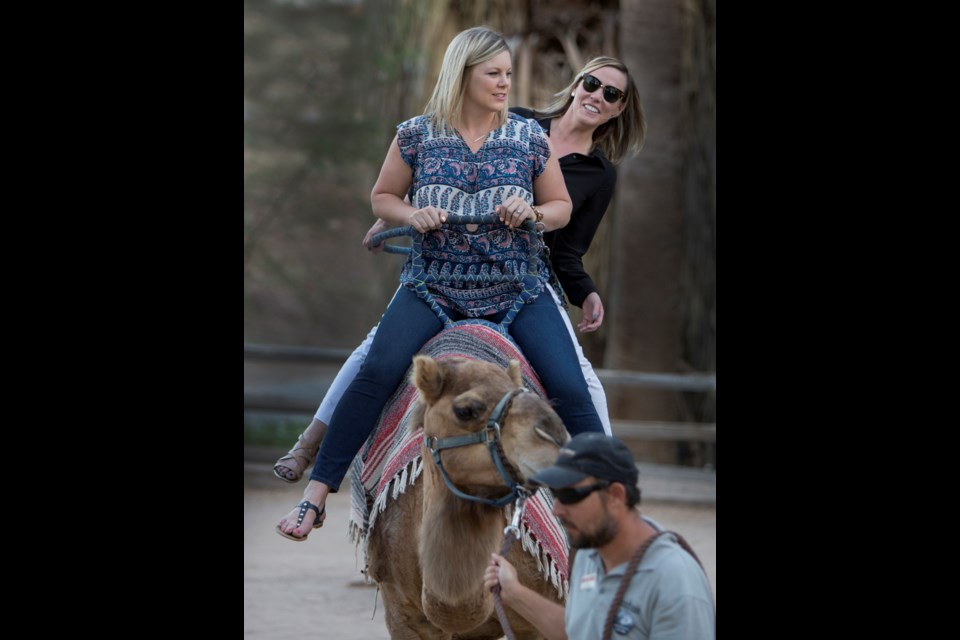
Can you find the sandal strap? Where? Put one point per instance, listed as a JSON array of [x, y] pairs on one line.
[[303, 511], [303, 444], [302, 450], [299, 458]]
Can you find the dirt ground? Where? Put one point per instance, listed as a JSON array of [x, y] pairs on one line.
[[293, 590]]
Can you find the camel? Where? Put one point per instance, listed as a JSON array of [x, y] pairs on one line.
[[429, 548]]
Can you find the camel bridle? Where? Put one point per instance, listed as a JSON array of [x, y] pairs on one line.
[[489, 435]]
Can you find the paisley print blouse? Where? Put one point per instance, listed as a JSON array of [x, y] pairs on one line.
[[447, 175]]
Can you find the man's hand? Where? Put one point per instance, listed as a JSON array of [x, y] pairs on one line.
[[500, 572]]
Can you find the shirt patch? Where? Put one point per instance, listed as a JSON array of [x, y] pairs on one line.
[[588, 582], [624, 622]]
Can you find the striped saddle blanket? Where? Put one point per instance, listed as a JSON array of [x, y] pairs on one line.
[[391, 458]]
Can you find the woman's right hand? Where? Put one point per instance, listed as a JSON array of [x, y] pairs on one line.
[[427, 219]]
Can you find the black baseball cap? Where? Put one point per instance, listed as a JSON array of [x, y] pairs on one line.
[[590, 454]]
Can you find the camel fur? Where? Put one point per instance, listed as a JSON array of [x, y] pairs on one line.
[[429, 548]]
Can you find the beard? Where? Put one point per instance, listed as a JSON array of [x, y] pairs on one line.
[[597, 536]]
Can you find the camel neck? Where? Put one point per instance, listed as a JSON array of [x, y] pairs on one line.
[[454, 528]]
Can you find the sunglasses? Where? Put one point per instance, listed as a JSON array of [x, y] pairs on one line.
[[573, 495], [610, 94]]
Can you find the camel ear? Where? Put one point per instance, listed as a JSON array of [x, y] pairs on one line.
[[427, 377], [513, 370]]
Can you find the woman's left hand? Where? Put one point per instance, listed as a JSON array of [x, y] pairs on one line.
[[514, 211], [592, 313]]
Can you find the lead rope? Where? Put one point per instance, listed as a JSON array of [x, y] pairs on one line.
[[511, 533], [628, 575]]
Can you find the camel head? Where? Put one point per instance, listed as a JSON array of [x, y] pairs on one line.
[[458, 395]]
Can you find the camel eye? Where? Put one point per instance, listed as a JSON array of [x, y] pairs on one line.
[[468, 409], [546, 436]]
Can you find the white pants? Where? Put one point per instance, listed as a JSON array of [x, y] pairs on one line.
[[351, 367]]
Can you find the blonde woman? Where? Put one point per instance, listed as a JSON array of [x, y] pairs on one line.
[[465, 155]]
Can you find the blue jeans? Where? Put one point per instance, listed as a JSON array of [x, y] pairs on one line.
[[406, 325]]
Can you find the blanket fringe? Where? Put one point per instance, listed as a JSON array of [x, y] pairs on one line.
[[545, 563], [406, 477]]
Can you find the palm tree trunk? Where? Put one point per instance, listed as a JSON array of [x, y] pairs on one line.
[[645, 310]]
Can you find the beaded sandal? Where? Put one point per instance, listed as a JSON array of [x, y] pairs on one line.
[[303, 511], [300, 457]]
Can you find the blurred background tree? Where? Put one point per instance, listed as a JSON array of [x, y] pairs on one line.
[[327, 81]]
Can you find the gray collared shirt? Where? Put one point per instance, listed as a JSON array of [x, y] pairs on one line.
[[668, 597]]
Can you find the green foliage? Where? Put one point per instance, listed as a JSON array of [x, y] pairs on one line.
[[273, 431]]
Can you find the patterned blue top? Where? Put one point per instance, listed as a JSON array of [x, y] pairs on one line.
[[447, 175]]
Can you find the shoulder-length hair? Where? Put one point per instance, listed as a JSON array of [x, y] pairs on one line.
[[616, 137], [467, 49]]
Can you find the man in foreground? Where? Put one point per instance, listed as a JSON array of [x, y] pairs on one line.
[[629, 575]]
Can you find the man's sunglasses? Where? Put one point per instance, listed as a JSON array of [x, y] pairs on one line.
[[610, 94], [573, 495]]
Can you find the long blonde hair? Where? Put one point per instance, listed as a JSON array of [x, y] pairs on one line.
[[616, 137], [467, 49]]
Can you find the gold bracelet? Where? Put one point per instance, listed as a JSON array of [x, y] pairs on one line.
[[539, 213]]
